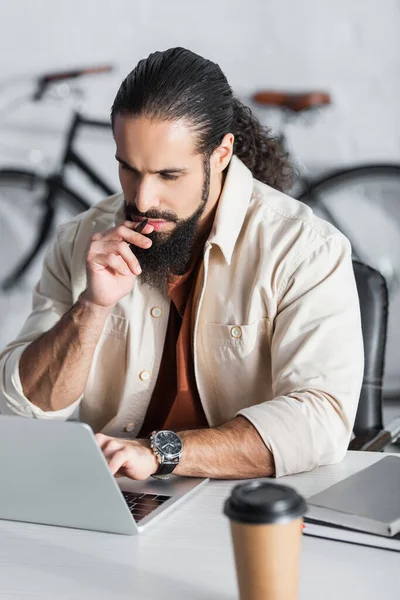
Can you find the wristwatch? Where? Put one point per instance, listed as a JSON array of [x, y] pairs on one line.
[[168, 447]]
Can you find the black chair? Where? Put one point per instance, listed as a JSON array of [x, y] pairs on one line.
[[368, 426]]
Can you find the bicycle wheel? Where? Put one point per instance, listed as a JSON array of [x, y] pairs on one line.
[[364, 203], [22, 207]]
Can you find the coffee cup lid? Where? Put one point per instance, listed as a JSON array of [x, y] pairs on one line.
[[261, 501]]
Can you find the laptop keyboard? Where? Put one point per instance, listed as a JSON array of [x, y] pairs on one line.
[[142, 505]]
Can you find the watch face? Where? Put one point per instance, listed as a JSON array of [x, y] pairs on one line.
[[168, 443]]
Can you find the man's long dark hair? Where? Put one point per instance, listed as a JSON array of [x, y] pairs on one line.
[[178, 84]]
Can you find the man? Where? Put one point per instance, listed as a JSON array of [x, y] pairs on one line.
[[232, 318]]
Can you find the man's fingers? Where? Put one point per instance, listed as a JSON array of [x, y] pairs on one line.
[[115, 453], [96, 237], [101, 439], [116, 263], [109, 444], [114, 249], [117, 460], [129, 258], [126, 232], [127, 458], [119, 248], [134, 226], [110, 447], [132, 237]]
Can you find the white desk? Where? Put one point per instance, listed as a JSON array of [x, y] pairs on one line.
[[187, 555]]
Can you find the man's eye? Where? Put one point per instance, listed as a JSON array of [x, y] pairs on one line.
[[169, 176]]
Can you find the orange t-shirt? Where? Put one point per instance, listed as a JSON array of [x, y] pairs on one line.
[[175, 403]]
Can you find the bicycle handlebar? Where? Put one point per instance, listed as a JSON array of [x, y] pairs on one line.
[[45, 80]]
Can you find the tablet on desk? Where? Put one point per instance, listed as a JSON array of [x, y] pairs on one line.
[[351, 536], [363, 508]]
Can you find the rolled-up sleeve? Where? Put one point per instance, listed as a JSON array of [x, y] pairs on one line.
[[317, 363], [52, 298]]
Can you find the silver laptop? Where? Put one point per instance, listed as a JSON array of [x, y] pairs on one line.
[[54, 473]]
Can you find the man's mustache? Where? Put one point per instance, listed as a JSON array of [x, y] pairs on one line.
[[131, 212]]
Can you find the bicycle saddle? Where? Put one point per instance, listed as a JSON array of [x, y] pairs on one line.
[[292, 101], [48, 78]]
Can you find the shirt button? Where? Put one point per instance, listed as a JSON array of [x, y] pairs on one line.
[[129, 427], [144, 375], [236, 332], [156, 312]]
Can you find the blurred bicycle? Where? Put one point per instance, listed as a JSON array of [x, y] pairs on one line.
[[363, 202], [29, 200]]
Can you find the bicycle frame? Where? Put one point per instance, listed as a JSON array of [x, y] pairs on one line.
[[55, 183], [71, 157]]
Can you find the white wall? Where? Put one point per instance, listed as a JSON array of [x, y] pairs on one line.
[[351, 49]]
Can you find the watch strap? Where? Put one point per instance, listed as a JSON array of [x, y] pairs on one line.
[[164, 470]]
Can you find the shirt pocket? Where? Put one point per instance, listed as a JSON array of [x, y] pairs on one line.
[[238, 359], [235, 340]]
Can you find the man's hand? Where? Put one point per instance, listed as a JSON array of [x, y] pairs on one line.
[[128, 458], [111, 266]]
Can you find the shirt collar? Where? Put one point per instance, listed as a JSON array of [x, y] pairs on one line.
[[232, 207]]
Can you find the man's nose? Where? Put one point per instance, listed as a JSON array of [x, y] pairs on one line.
[[146, 197]]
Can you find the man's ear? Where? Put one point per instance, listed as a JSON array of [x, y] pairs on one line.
[[222, 155]]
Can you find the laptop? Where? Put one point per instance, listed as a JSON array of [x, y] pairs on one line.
[[54, 473]]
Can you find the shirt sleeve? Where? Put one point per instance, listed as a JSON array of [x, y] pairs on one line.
[[52, 298], [317, 363]]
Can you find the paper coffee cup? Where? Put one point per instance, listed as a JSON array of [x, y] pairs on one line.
[[266, 526]]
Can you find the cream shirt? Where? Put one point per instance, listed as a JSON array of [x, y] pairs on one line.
[[276, 332]]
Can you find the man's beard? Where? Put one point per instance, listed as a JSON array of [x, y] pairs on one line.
[[170, 254]]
